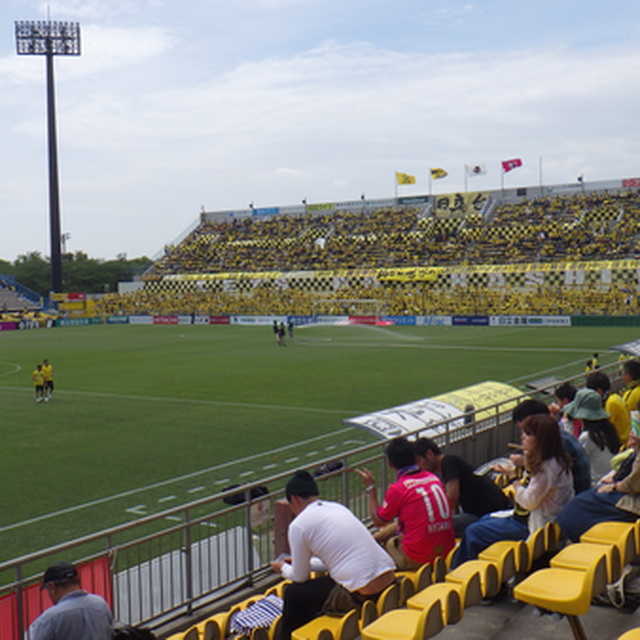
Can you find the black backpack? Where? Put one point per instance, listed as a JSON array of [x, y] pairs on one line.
[[126, 632]]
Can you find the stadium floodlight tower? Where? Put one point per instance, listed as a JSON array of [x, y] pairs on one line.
[[50, 38]]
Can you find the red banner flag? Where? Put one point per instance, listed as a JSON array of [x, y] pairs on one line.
[[509, 165]]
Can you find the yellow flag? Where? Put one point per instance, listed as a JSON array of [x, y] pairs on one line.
[[405, 178], [438, 173]]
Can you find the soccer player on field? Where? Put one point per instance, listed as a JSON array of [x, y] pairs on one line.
[[47, 374], [38, 380]]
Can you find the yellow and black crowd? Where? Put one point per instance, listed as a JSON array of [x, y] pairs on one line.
[[578, 227], [584, 227]]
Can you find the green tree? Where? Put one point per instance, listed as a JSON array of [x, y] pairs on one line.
[[89, 275], [80, 273], [32, 270]]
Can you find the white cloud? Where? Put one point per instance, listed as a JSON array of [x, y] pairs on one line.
[[148, 132]]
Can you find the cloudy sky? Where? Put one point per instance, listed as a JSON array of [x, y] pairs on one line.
[[175, 105]]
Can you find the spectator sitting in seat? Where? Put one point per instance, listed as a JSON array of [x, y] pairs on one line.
[[327, 536], [418, 500], [631, 378], [599, 437], [616, 498], [613, 404], [474, 495], [580, 466], [565, 394], [546, 486]]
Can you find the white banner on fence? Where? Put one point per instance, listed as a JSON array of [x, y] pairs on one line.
[[398, 421], [422, 414]]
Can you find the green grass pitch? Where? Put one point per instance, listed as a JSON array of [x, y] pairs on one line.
[[149, 417]]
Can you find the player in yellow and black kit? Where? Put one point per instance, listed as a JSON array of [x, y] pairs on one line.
[[47, 374], [38, 380]]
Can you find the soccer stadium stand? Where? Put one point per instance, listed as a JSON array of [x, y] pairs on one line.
[[554, 255]]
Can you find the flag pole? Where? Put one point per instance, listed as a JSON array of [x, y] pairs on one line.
[[540, 176], [466, 178], [502, 172]]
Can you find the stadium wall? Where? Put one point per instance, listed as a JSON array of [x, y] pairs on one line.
[[444, 321]]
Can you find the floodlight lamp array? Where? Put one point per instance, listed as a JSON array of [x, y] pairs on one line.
[[48, 37]]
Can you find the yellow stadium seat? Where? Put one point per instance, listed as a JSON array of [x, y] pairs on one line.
[[329, 628], [274, 630], [503, 555], [406, 624], [454, 596], [421, 578], [488, 572], [552, 536], [622, 534], [368, 613], [565, 591], [277, 589], [406, 589], [580, 555], [217, 626], [190, 634], [449, 559], [389, 599], [438, 570]]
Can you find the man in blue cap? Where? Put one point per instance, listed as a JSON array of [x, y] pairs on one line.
[[76, 614]]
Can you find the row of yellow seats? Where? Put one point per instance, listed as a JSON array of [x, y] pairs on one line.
[[218, 626], [580, 571], [350, 626], [439, 605], [576, 573]]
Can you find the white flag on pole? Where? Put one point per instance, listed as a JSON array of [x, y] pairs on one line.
[[476, 169]]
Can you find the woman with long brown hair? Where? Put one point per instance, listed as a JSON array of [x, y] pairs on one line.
[[546, 486]]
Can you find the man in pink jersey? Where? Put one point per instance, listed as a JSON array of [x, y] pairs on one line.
[[418, 500]]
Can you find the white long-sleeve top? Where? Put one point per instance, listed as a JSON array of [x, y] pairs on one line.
[[547, 492], [599, 459], [331, 533]]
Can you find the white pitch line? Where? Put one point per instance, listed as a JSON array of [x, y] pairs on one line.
[[294, 459], [311, 453], [223, 481], [213, 403], [138, 510], [164, 483], [461, 347], [16, 369], [196, 489], [167, 498], [266, 467], [246, 473]]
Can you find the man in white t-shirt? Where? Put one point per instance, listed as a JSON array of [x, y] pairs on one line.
[[327, 536]]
